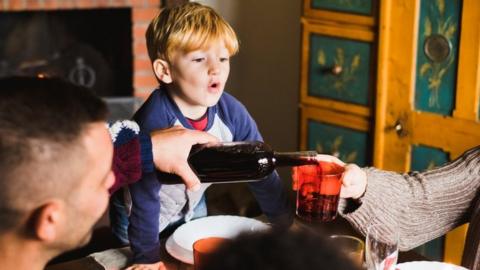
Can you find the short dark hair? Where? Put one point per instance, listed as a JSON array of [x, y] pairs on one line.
[[41, 122], [279, 250]]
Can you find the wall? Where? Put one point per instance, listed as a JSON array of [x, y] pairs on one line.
[[265, 73], [265, 78]]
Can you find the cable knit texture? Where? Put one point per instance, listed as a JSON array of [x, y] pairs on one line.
[[420, 205], [127, 157]]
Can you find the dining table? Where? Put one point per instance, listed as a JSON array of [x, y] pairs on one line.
[[119, 258], [116, 259], [340, 226]]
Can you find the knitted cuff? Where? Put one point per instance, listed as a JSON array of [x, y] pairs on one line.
[[363, 211]]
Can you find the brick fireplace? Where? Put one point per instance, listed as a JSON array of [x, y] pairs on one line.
[[142, 11]]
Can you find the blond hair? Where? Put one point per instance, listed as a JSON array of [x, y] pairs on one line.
[[186, 28]]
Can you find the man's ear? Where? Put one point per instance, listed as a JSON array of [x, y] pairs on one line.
[[48, 221], [162, 70]]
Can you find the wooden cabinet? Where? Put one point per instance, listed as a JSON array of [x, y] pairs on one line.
[[359, 12], [428, 88], [338, 77], [408, 91], [344, 135]]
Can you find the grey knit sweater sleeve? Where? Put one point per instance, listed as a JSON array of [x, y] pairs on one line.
[[421, 206]]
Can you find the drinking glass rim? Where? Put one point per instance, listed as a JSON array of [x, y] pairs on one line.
[[217, 240], [362, 243], [329, 174]]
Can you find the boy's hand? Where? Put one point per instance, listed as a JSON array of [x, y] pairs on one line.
[[153, 266], [354, 182], [171, 148]]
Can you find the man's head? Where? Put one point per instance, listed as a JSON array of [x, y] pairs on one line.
[[55, 162], [190, 46]]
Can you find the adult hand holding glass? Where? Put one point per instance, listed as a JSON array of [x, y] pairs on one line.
[[354, 179], [354, 182]]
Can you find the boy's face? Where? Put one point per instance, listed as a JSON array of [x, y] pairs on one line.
[[199, 77]]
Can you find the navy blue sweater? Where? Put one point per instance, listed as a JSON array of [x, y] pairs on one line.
[[230, 121]]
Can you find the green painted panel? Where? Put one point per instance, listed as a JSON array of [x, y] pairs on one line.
[[363, 7], [349, 145], [424, 158], [436, 79], [352, 84]]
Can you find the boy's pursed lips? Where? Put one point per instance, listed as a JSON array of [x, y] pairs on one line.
[[214, 86]]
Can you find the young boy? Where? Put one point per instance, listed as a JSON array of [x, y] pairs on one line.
[[190, 47]]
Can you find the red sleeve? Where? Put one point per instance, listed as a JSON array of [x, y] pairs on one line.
[[127, 164]]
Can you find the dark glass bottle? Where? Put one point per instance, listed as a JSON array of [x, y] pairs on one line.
[[238, 162]]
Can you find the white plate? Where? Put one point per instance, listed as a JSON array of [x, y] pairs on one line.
[[428, 266], [180, 243]]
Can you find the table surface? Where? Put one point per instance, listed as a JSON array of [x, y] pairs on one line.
[[338, 226], [341, 226], [89, 263]]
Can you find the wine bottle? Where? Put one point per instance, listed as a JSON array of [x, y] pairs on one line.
[[229, 162]]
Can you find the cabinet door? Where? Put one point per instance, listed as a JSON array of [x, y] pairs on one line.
[[345, 136], [338, 70], [428, 87], [361, 12]]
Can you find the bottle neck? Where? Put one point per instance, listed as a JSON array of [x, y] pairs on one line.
[[295, 158]]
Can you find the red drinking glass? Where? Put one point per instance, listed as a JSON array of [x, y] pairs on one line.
[[318, 190], [203, 250]]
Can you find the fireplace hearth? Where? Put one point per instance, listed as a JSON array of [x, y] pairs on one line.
[[80, 46], [96, 43]]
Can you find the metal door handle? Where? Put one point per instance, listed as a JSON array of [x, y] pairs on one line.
[[399, 128], [336, 70]]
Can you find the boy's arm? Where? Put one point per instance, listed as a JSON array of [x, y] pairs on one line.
[[144, 219], [273, 200]]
